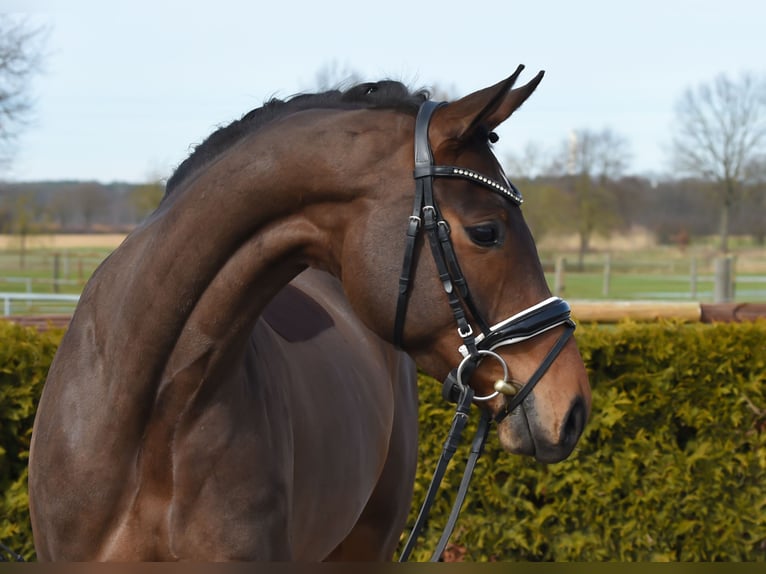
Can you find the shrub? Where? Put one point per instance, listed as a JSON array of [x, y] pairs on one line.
[[672, 464], [25, 355]]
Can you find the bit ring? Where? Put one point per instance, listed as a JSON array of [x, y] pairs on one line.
[[494, 355]]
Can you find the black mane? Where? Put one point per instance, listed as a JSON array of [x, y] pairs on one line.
[[385, 94]]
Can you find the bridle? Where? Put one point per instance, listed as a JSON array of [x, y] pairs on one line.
[[522, 326], [529, 323]]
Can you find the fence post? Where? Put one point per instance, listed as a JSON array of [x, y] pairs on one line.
[[558, 277], [723, 282], [607, 274], [693, 278], [56, 271]]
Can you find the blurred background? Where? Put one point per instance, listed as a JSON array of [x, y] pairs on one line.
[[642, 155]]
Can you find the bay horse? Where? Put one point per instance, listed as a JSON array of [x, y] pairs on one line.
[[238, 381]]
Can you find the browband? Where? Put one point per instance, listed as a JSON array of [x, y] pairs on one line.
[[506, 189]]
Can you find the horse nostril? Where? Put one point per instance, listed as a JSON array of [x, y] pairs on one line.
[[574, 424]]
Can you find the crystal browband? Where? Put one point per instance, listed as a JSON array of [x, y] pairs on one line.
[[507, 189]]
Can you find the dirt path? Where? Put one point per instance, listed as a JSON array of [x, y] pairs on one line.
[[64, 241]]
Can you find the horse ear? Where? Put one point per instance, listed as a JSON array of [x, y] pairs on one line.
[[485, 109]]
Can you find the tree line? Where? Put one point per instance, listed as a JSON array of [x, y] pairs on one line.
[[719, 157], [676, 210], [75, 206]]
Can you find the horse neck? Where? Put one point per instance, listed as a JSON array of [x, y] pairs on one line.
[[217, 250]]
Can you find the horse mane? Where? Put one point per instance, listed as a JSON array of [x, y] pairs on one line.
[[386, 94]]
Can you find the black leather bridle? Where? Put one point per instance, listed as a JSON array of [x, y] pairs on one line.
[[529, 323]]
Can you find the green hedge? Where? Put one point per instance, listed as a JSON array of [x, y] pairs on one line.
[[672, 465], [25, 356]]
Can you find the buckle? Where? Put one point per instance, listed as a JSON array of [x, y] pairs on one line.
[[414, 225], [429, 216]]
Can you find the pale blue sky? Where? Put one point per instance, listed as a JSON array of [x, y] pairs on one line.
[[129, 86]]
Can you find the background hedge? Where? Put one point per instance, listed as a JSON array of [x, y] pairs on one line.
[[672, 465], [25, 355]]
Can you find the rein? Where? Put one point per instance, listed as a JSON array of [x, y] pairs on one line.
[[8, 555], [529, 323]]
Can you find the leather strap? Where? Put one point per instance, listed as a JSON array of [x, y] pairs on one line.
[[424, 159], [413, 230], [426, 216], [459, 421], [528, 324], [538, 374], [477, 448]]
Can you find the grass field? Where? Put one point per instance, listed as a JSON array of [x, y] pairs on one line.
[[658, 273], [61, 264], [635, 286], [49, 264]]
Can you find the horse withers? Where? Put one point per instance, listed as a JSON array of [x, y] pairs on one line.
[[238, 381]]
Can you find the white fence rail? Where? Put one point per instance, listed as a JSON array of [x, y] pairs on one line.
[[8, 298]]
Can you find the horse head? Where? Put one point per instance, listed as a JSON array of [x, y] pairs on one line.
[[476, 271]]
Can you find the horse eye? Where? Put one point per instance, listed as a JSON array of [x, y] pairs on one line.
[[485, 235]]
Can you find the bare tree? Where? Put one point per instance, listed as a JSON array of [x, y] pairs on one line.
[[755, 200], [526, 164], [93, 200], [20, 54], [146, 197], [23, 223], [589, 162], [334, 75], [600, 154], [720, 136]]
